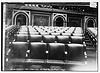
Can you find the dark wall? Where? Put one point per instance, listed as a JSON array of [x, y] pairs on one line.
[[75, 20], [45, 19], [8, 15]]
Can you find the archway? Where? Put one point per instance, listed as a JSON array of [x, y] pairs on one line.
[[59, 21], [20, 18], [90, 23]]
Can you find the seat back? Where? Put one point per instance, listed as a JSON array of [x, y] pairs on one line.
[[44, 33], [35, 38], [74, 34], [66, 34], [19, 49], [77, 39], [32, 30], [56, 51], [23, 33], [63, 39], [23, 30], [48, 39], [55, 34], [21, 38], [38, 50], [78, 30], [75, 52], [34, 33]]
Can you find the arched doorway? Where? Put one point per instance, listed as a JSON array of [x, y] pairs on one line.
[[90, 23], [21, 19], [59, 21]]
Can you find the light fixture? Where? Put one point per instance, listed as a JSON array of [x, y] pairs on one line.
[[33, 5], [26, 4], [37, 5]]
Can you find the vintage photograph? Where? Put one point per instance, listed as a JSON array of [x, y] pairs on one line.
[[49, 36]]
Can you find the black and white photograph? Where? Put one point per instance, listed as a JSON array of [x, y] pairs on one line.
[[49, 36]]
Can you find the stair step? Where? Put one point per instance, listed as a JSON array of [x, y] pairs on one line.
[[91, 53], [90, 49], [87, 41], [90, 45], [86, 36]]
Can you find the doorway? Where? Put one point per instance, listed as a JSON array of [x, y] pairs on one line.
[[90, 23], [21, 20], [59, 22]]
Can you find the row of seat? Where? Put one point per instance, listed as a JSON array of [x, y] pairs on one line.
[[35, 30], [33, 36], [38, 47], [77, 30], [46, 33], [51, 51], [52, 31], [49, 39]]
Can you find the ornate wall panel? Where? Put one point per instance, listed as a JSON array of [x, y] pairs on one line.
[[41, 20]]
